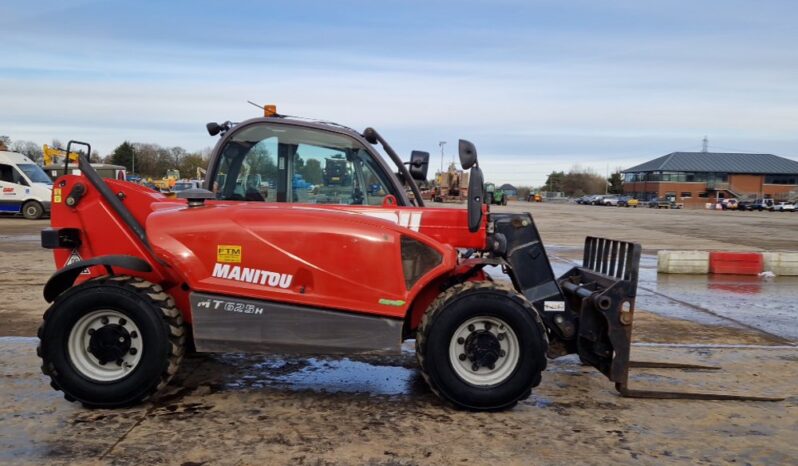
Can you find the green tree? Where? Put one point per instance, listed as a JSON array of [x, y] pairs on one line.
[[261, 162], [312, 172], [616, 183], [123, 155], [190, 162], [554, 182]]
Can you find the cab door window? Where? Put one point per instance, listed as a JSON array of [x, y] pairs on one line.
[[10, 174], [275, 162], [349, 176], [250, 169]]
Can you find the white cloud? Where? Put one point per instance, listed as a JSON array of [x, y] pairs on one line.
[[534, 97]]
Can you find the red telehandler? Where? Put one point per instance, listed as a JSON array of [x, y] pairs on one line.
[[270, 258]]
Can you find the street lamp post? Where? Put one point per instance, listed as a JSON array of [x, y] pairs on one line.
[[442, 143]]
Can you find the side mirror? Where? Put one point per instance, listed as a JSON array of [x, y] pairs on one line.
[[475, 195], [468, 154], [419, 165]]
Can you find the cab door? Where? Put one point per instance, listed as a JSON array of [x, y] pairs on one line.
[[348, 176], [12, 188]]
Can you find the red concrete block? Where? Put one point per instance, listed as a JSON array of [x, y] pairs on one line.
[[736, 263]]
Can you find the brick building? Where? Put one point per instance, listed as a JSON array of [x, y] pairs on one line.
[[695, 178]]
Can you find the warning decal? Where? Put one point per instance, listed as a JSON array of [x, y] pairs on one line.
[[75, 257]]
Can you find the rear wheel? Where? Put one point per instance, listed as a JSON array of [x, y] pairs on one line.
[[32, 210], [481, 346], [111, 342]]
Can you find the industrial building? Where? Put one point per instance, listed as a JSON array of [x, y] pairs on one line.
[[695, 178]]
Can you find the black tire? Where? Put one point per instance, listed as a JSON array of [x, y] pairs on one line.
[[456, 306], [32, 210], [504, 201], [152, 311]]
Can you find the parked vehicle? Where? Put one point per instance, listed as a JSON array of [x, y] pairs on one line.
[[494, 195], [583, 200], [596, 199], [628, 201], [610, 201], [784, 207], [251, 275], [764, 204], [105, 170], [24, 187], [730, 204], [664, 203], [744, 205], [183, 185]]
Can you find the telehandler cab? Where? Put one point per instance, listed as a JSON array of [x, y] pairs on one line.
[[333, 265]]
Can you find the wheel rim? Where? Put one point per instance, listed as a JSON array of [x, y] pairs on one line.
[[484, 351], [105, 345], [31, 211]]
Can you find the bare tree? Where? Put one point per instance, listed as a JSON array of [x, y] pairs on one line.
[[28, 148]]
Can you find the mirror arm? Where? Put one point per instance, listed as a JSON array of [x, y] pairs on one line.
[[399, 164]]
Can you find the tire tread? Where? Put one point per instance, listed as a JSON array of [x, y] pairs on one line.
[[160, 300], [440, 303]]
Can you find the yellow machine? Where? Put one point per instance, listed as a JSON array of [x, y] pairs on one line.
[[451, 185], [166, 183], [53, 155]]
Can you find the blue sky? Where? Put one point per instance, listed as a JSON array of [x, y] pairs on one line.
[[537, 85]]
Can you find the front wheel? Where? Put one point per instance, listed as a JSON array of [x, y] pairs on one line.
[[32, 210], [111, 342], [481, 346]]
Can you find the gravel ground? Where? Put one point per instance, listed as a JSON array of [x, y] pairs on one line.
[[249, 409]]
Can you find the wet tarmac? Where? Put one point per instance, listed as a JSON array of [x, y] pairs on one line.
[[768, 305], [252, 409]]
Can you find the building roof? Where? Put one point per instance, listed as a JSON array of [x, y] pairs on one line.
[[506, 186], [719, 162]]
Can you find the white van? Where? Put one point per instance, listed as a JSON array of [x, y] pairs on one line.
[[24, 187]]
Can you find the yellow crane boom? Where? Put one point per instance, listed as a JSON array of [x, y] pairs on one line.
[[53, 155]]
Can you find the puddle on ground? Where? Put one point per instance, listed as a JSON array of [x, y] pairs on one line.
[[336, 376], [398, 376], [767, 304]]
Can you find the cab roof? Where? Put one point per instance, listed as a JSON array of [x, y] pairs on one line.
[[13, 157]]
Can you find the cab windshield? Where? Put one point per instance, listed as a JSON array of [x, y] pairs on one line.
[[279, 163], [35, 173]]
